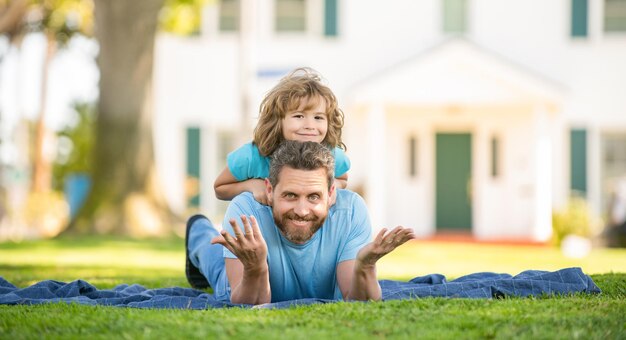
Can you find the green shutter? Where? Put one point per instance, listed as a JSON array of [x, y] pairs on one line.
[[330, 18], [193, 167], [578, 161], [579, 18]]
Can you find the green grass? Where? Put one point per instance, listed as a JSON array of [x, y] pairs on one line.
[[159, 263]]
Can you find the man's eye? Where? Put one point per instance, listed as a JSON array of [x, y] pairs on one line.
[[314, 197], [290, 195]]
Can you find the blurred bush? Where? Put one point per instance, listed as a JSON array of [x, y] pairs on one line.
[[576, 219], [46, 214], [74, 145]]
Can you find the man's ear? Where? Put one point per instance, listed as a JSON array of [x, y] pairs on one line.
[[331, 191], [269, 193]]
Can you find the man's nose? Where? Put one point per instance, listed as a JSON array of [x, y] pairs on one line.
[[302, 208]]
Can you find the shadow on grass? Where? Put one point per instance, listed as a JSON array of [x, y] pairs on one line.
[[99, 276]]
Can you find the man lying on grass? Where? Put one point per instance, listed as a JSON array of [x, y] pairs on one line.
[[297, 247]]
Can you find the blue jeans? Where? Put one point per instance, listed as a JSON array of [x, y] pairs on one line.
[[209, 258]]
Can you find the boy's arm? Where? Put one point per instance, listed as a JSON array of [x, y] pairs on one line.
[[341, 182], [227, 187]]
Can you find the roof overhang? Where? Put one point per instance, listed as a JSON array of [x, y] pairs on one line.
[[457, 72]]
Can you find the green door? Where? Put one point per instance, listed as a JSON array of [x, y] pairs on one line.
[[453, 181]]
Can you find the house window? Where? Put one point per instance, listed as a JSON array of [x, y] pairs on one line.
[[580, 9], [615, 15], [613, 165], [229, 15], [495, 158], [454, 16], [290, 15], [412, 156]]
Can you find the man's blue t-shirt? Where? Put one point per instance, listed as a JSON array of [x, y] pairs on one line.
[[309, 270], [247, 162]]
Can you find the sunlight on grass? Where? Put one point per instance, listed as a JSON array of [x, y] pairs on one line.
[[456, 259], [104, 261], [124, 258]]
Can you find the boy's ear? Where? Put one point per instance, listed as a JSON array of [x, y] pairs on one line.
[[269, 191]]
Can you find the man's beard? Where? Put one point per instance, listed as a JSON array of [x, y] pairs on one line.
[[298, 235]]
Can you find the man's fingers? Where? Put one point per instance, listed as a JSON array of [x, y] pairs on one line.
[[218, 240], [398, 236], [236, 228], [381, 234], [256, 231], [403, 236], [247, 227], [221, 240]]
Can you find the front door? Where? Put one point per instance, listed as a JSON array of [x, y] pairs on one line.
[[453, 181]]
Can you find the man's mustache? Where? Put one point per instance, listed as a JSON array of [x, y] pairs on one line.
[[296, 217]]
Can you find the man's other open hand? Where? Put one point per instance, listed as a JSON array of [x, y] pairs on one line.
[[383, 244]]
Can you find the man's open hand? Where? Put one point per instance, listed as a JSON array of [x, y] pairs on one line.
[[249, 246], [382, 245]]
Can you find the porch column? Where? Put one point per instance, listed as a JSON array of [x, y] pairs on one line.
[[594, 161], [376, 174], [542, 221]]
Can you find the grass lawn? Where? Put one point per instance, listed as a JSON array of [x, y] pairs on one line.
[[107, 262]]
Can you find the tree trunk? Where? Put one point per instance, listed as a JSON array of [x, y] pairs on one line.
[[125, 196], [42, 169]]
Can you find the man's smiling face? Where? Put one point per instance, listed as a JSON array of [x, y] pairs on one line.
[[300, 202]]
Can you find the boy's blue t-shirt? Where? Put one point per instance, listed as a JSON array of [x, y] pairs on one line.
[[298, 271], [247, 162]]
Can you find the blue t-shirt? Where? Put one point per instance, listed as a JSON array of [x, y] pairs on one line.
[[247, 162], [309, 270]]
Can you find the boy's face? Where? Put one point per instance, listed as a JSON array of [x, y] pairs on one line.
[[308, 123]]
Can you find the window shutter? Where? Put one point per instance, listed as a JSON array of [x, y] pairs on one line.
[[579, 18], [330, 18]]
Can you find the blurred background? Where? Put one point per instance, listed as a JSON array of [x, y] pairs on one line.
[[495, 121]]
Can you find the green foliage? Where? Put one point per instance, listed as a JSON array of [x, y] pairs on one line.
[[575, 219], [182, 17], [75, 142], [60, 20], [65, 18]]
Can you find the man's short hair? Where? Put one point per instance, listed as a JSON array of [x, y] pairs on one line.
[[302, 156]]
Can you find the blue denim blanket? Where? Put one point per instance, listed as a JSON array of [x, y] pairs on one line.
[[478, 285]]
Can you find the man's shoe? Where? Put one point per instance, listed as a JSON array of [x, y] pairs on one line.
[[194, 276]]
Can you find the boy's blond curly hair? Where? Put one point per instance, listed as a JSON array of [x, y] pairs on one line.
[[301, 84]]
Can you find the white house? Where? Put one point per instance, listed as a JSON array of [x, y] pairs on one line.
[[473, 116]]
